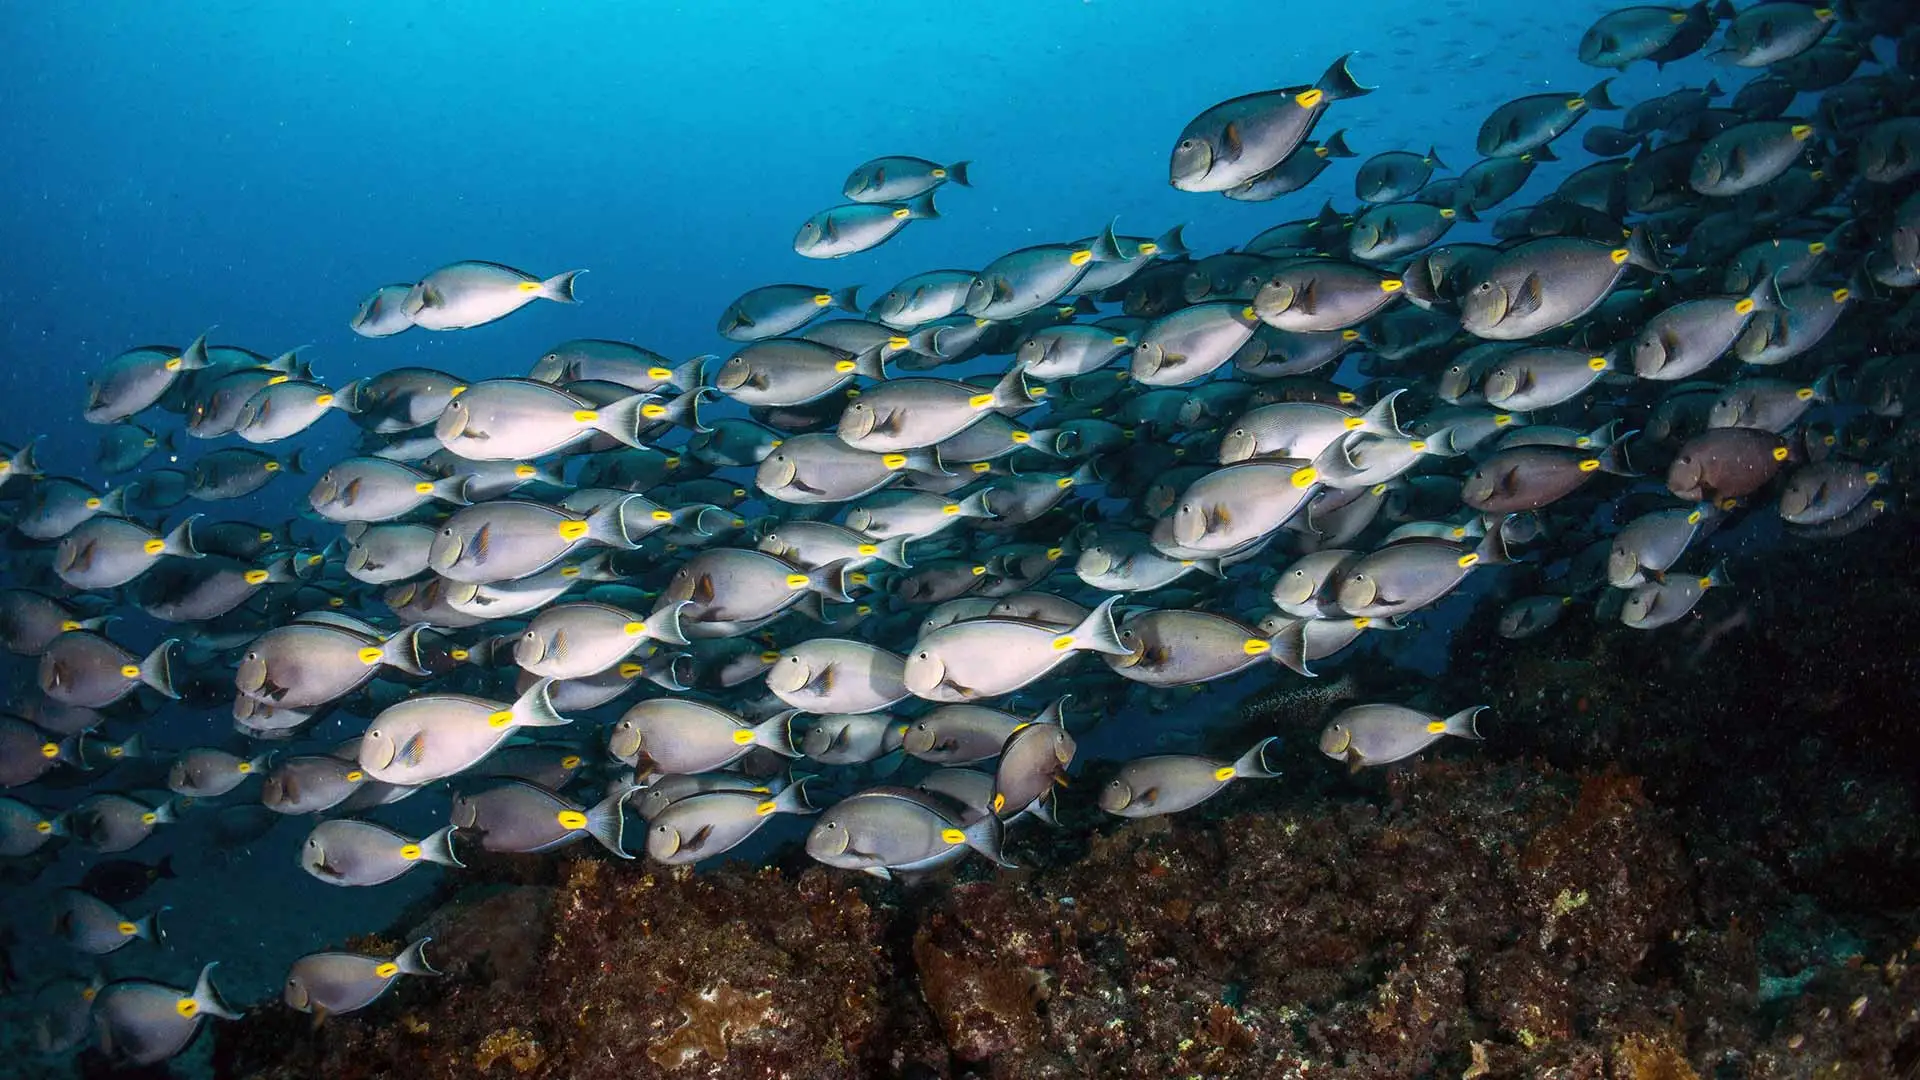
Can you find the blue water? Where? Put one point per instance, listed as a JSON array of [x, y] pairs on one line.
[[262, 167]]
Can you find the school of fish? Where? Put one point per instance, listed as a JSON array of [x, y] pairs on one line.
[[821, 574]]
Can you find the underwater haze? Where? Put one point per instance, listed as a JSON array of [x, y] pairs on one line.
[[1387, 552]]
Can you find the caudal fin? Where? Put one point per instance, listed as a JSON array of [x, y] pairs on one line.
[[559, 287]]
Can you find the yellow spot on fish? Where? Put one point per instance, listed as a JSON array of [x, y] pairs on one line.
[[902, 214], [1063, 483], [255, 577], [585, 416], [1309, 99], [1417, 445], [1840, 295], [634, 629], [43, 827], [894, 461], [187, 1008], [1818, 247], [173, 364], [1303, 477], [1576, 103], [571, 819], [1435, 727], [93, 504], [130, 671], [1392, 285], [764, 808], [950, 509], [49, 750], [1744, 307], [1080, 258], [796, 581], [1779, 453], [955, 836], [897, 342], [323, 400], [1255, 647], [979, 401], [1378, 489], [1346, 397], [525, 472], [822, 299], [659, 374], [1693, 518], [1619, 255], [1871, 477], [981, 466], [653, 412], [500, 719], [1053, 554], [978, 569], [69, 625], [1502, 420], [1802, 132], [631, 670], [743, 737], [661, 515], [528, 286], [423, 488], [149, 818], [1805, 393], [1063, 643], [1705, 582], [354, 776], [1589, 464], [1468, 560], [154, 546], [867, 549], [770, 657], [1447, 213], [572, 530], [459, 655], [456, 391], [127, 929], [1248, 312], [1353, 422], [1022, 437], [410, 852], [1149, 248], [1597, 363]]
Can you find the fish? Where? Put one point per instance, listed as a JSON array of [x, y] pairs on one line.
[[434, 736], [1234, 141], [518, 816], [142, 1022], [839, 231], [346, 852], [333, 983], [1365, 735], [773, 310], [384, 312], [703, 825], [888, 831], [462, 295], [1169, 783], [897, 178], [986, 657]]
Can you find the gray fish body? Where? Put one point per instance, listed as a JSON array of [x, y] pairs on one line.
[[1186, 648], [1541, 377], [1382, 734], [773, 310], [620, 362], [1531, 615], [1746, 156], [345, 852], [1287, 429], [923, 298], [1035, 757], [311, 784], [468, 294], [1272, 353], [1029, 279], [1530, 477], [107, 552], [401, 399], [205, 773], [792, 371], [124, 446], [1407, 576], [215, 408], [735, 442], [887, 830], [1190, 344], [1827, 491], [110, 824], [383, 313], [235, 472], [282, 410], [1236, 505], [84, 669], [434, 736], [137, 378], [682, 736], [1061, 352], [1768, 404], [1534, 121], [1393, 175], [1654, 541], [517, 817], [987, 657], [331, 983], [59, 505], [1768, 33], [1809, 313], [819, 468], [1653, 604], [898, 176], [960, 734], [1129, 564], [710, 823], [375, 489], [834, 675], [736, 585], [1619, 38], [95, 927], [1542, 284], [387, 552], [1305, 295], [855, 227], [144, 1023], [573, 641], [307, 664], [510, 539], [912, 414], [518, 419], [1237, 140], [1170, 783], [1389, 231], [25, 829], [1889, 151], [852, 739], [27, 753]]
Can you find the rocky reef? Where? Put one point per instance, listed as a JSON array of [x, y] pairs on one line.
[[1665, 864]]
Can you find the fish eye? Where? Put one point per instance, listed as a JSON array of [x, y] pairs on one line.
[[923, 655], [1186, 144]]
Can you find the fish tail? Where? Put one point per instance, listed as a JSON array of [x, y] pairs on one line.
[[559, 287], [921, 208], [349, 396], [608, 525], [1097, 633], [1641, 253], [535, 707], [1598, 98], [872, 363], [684, 409], [692, 374], [622, 418], [793, 799], [607, 822], [413, 959], [1172, 243], [133, 748], [1492, 549], [114, 503], [402, 650], [1288, 646], [1258, 762], [776, 733], [23, 463], [194, 358], [163, 813], [1106, 247], [1011, 391], [893, 552], [975, 506], [847, 299], [830, 581], [180, 540], [437, 847], [157, 669], [452, 489], [148, 929], [670, 671], [1614, 459], [1717, 577], [1384, 418], [1055, 712], [1336, 145], [1338, 83], [664, 623], [1462, 723], [985, 836], [957, 173]]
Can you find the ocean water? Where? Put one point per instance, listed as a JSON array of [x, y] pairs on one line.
[[259, 168]]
